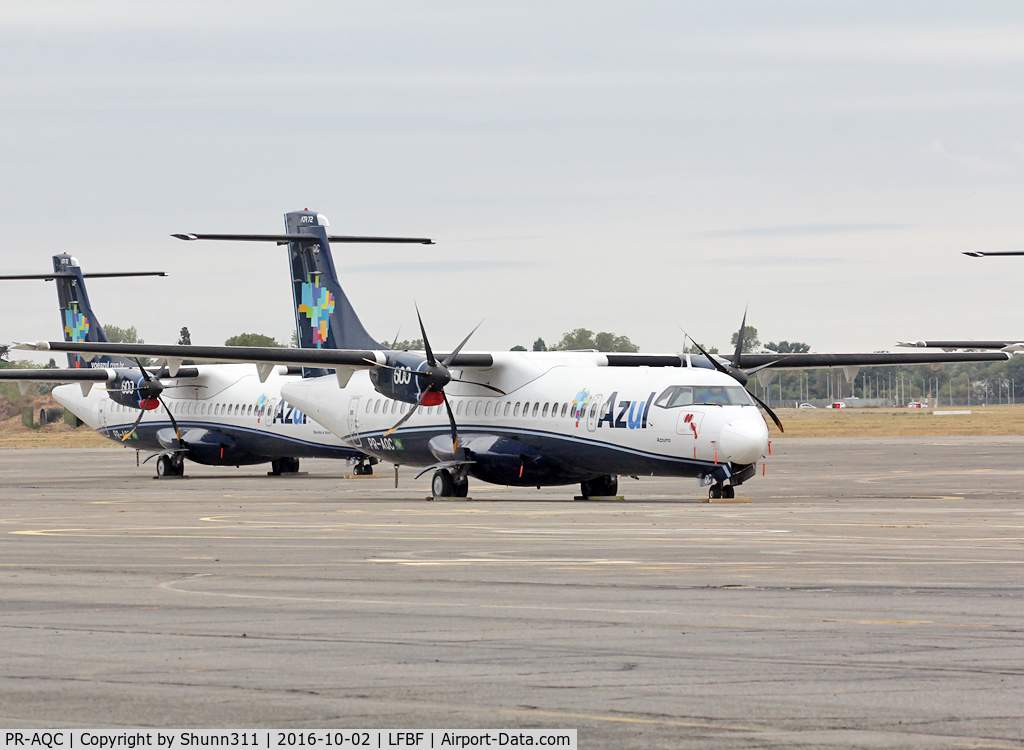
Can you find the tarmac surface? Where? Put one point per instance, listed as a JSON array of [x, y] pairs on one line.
[[869, 596]]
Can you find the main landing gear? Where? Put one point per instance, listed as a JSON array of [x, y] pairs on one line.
[[364, 467], [606, 486], [170, 466], [445, 484], [279, 466], [720, 490]]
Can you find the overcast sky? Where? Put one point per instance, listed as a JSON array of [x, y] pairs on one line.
[[628, 167]]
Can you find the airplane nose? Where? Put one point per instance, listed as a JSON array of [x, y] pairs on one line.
[[743, 441]]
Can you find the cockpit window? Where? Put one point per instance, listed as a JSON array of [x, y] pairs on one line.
[[707, 395]]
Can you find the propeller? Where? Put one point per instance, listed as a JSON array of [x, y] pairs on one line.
[[723, 369], [434, 378], [153, 389]]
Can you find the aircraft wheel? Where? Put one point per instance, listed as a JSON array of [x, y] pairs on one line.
[[715, 492], [367, 470], [461, 489], [178, 464], [606, 486], [442, 485], [729, 491], [164, 467]]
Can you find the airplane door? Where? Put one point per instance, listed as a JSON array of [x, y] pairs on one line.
[[595, 413], [101, 411], [353, 422]]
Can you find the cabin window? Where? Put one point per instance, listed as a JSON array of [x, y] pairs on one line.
[[526, 409], [394, 406], [251, 409], [545, 412], [508, 404], [593, 410], [476, 412], [487, 409], [536, 408], [376, 406], [458, 408], [516, 412]]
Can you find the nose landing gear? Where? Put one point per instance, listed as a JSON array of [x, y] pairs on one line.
[[720, 490]]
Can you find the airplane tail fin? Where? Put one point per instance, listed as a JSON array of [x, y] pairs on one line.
[[324, 317], [77, 317]]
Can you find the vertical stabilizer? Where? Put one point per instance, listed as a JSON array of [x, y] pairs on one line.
[[324, 317], [76, 316]]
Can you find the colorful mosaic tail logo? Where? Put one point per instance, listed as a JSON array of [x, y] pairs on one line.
[[76, 325], [317, 305]]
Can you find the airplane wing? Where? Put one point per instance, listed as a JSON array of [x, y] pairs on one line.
[[951, 345], [811, 361], [343, 361], [81, 374]]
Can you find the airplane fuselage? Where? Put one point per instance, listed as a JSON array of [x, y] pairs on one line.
[[563, 420], [226, 416]]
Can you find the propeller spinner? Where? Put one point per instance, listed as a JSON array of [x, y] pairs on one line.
[[433, 376]]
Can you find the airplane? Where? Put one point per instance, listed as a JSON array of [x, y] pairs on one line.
[[222, 415], [949, 345], [514, 418]]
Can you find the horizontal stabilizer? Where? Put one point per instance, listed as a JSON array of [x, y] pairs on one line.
[[977, 254], [282, 239], [52, 276]]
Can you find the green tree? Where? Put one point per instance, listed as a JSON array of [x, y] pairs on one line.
[[412, 345], [751, 342], [518, 348], [539, 345], [123, 335], [185, 338], [5, 350], [694, 350], [251, 339], [788, 347], [583, 338]]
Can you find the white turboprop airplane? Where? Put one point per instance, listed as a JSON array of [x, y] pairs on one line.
[[513, 418], [215, 414]]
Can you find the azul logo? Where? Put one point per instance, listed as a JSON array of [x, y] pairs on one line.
[[626, 414], [288, 414], [76, 325], [579, 405], [317, 305]]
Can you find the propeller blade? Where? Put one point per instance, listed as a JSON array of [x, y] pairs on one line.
[[142, 413], [408, 414], [426, 344], [739, 339], [773, 415], [395, 339], [765, 367], [717, 365], [174, 422], [482, 385], [146, 376], [448, 360], [451, 421]]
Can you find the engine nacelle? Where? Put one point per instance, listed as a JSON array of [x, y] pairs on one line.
[[397, 381], [133, 390]]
